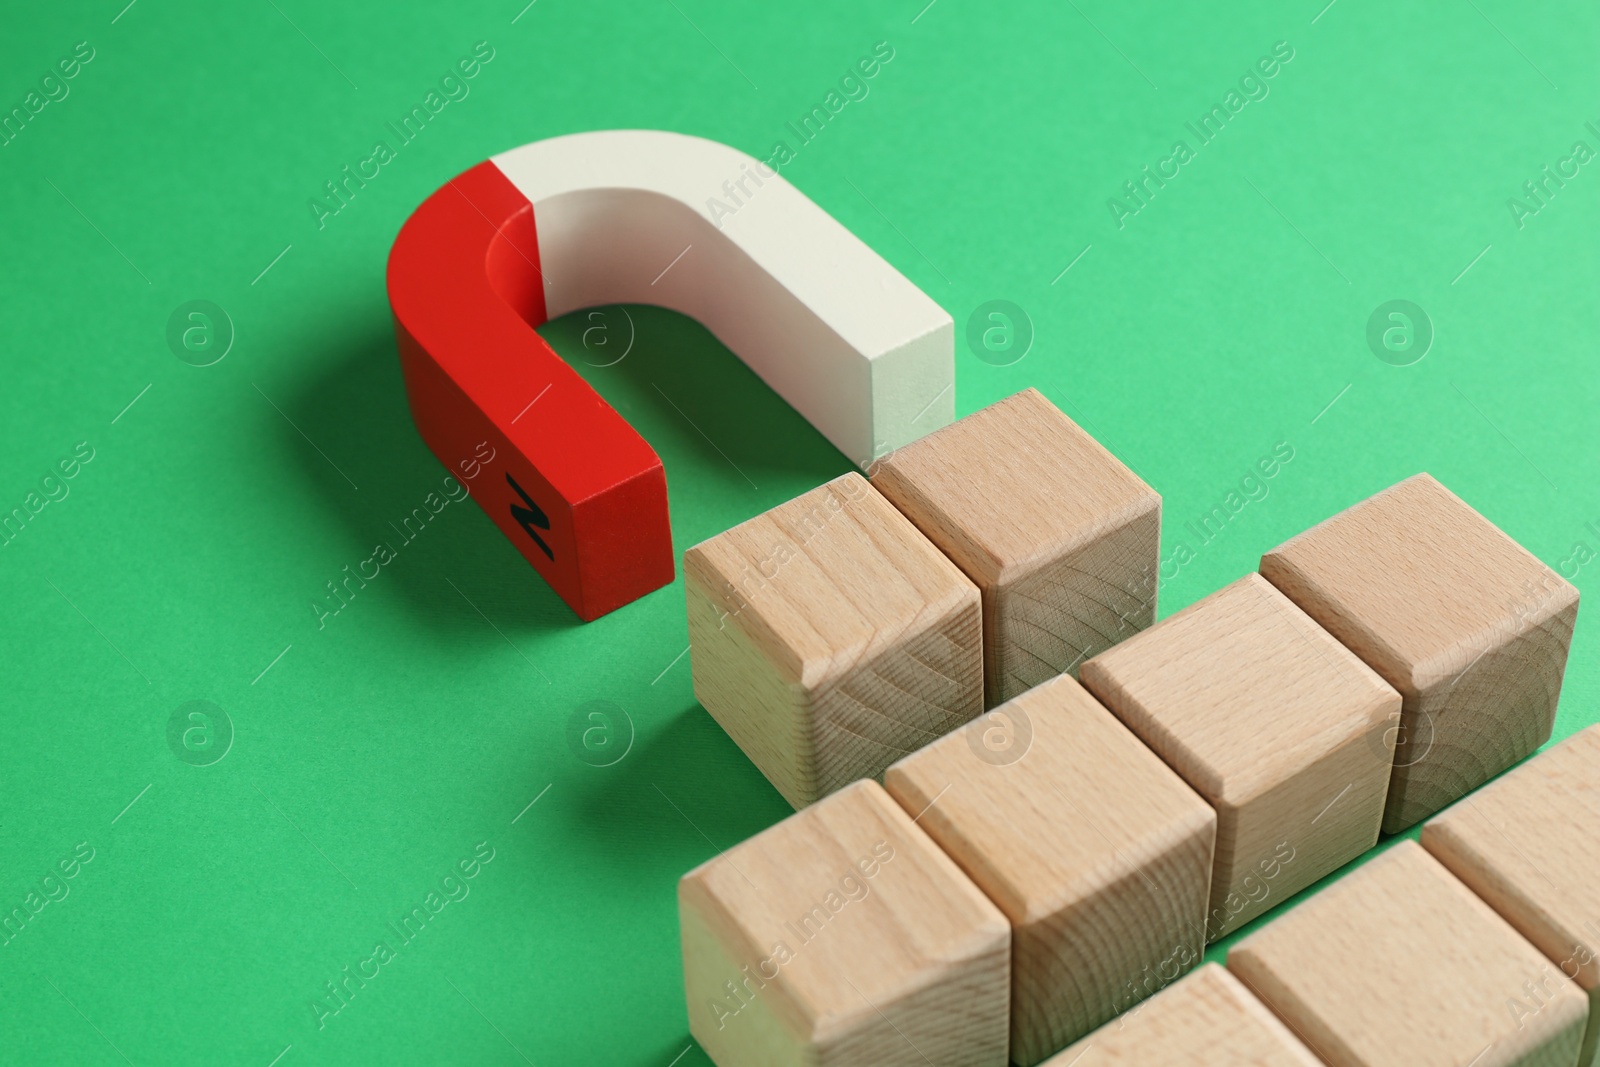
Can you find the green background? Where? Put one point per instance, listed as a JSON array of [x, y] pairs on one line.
[[374, 753]]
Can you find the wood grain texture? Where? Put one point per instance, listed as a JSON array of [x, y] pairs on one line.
[[1207, 1019], [830, 638], [1467, 624], [1529, 845], [843, 936], [1098, 854], [1398, 963], [1061, 537], [1277, 725]]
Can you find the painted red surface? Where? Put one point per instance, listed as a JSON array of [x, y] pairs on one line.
[[573, 486]]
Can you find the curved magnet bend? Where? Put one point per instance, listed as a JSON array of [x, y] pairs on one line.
[[625, 216]]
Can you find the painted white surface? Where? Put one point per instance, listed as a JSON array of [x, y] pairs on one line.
[[847, 340]]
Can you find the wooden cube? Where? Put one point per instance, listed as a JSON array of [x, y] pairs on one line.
[[1208, 1019], [1400, 964], [829, 638], [1096, 852], [1468, 626], [1529, 845], [1277, 725], [1064, 540], [843, 936]]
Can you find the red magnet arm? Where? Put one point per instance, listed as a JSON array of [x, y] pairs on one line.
[[574, 487]]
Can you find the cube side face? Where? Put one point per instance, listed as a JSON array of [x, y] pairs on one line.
[[1273, 722], [844, 932], [830, 638], [1015, 816], [1096, 851], [1206, 1019], [1526, 844], [1052, 618], [745, 692], [926, 685], [1062, 538], [1466, 624], [735, 1019], [1464, 730], [1400, 963], [1137, 931], [962, 1019], [1314, 821]]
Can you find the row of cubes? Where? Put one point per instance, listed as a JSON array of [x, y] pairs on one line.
[[843, 630], [855, 932], [1095, 838], [1477, 948]]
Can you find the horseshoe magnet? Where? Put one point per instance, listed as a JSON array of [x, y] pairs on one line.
[[645, 217]]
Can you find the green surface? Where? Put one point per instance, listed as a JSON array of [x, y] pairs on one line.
[[1222, 318]]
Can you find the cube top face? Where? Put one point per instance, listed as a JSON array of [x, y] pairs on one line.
[[828, 580], [1013, 485], [1241, 689], [1399, 963], [1085, 803], [1205, 1019], [1529, 844], [1416, 582], [844, 912]]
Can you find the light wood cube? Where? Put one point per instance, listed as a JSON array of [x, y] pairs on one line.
[[1208, 1019], [830, 638], [1399, 965], [1467, 624], [1064, 540], [1529, 845], [1277, 725], [1096, 852], [843, 936]]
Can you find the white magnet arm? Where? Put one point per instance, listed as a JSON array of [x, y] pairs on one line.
[[649, 217]]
